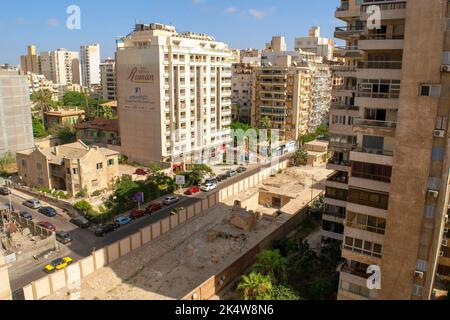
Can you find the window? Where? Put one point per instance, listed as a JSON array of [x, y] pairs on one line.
[[24, 163], [441, 123], [438, 154], [363, 247], [428, 90], [417, 290], [39, 166], [75, 170], [422, 265], [430, 211], [99, 166], [110, 162]]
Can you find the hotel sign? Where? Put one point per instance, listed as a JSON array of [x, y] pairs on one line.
[[140, 75]]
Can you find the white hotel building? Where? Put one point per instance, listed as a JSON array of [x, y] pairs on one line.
[[174, 94]]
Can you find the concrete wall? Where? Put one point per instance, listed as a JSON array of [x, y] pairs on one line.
[[5, 289], [76, 272]]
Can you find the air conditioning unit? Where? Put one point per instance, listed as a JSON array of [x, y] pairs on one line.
[[445, 243], [419, 274], [434, 193], [445, 68], [439, 133]]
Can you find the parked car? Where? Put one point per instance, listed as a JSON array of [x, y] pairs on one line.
[[122, 220], [153, 207], [26, 215], [81, 222], [231, 173], [141, 172], [223, 177], [63, 237], [32, 203], [106, 229], [4, 191], [241, 169], [171, 200], [48, 211], [211, 180], [47, 225], [58, 264], [136, 214], [209, 187], [193, 190]]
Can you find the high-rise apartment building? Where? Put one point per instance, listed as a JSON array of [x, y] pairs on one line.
[[60, 66], [292, 89], [174, 94], [108, 79], [316, 44], [29, 62], [242, 86], [16, 131], [389, 122], [90, 64]]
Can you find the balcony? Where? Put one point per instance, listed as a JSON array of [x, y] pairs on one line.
[[343, 91], [390, 10], [375, 156], [339, 165], [374, 127], [349, 32], [348, 52], [345, 11], [338, 181], [381, 41], [391, 70], [345, 71]]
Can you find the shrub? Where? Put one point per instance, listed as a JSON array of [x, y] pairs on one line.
[[97, 193], [84, 207], [82, 194]]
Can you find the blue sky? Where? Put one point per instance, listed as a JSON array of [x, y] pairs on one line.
[[240, 23]]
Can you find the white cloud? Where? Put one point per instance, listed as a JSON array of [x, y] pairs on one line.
[[231, 10], [53, 22], [257, 14]]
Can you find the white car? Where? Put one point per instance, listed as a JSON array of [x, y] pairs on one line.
[[208, 187], [171, 200], [32, 203]]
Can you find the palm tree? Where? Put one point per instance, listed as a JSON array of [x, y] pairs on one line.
[[271, 263], [42, 99], [255, 286]]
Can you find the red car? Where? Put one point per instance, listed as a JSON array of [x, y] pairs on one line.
[[153, 207], [136, 214], [193, 190], [47, 225], [141, 172]]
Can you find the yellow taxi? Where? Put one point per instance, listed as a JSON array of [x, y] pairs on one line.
[[58, 264]]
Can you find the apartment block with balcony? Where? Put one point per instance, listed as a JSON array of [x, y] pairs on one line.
[[242, 86], [392, 113], [108, 79], [174, 94]]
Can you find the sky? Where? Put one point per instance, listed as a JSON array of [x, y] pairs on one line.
[[239, 23]]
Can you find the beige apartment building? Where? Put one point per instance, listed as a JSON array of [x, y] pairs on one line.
[[63, 117], [388, 199], [242, 86], [60, 66], [71, 167], [108, 79], [174, 94], [314, 43], [29, 63], [292, 89], [90, 64]]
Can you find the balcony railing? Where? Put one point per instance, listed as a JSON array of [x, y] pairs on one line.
[[346, 29], [339, 178], [375, 151], [382, 36], [345, 68], [378, 95], [341, 106], [374, 123], [354, 271], [338, 162], [379, 65], [388, 5]]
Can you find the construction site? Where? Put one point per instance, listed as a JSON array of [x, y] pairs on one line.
[[208, 248], [22, 240]]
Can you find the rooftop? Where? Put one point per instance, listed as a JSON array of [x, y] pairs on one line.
[[100, 124], [110, 104], [65, 112]]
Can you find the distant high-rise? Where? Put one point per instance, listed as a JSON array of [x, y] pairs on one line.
[[90, 64], [29, 62], [16, 131], [316, 44], [60, 66], [108, 79]]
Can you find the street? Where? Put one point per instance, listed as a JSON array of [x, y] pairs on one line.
[[84, 241]]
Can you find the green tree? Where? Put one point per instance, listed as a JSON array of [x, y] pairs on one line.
[[74, 99], [255, 286], [283, 293], [271, 263], [300, 157], [65, 133], [84, 207], [197, 174], [42, 99], [39, 128], [322, 131]]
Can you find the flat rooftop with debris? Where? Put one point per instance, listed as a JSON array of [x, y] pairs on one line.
[[174, 264]]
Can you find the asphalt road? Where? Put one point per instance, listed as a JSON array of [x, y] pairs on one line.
[[84, 241]]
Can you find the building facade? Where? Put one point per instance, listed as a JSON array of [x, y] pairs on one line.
[[174, 94], [5, 287], [90, 64], [72, 167], [314, 43], [63, 117], [29, 63], [16, 130], [60, 66], [108, 79], [389, 121], [242, 86]]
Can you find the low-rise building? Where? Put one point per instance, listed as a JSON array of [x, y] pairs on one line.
[[72, 167], [68, 117], [99, 131]]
